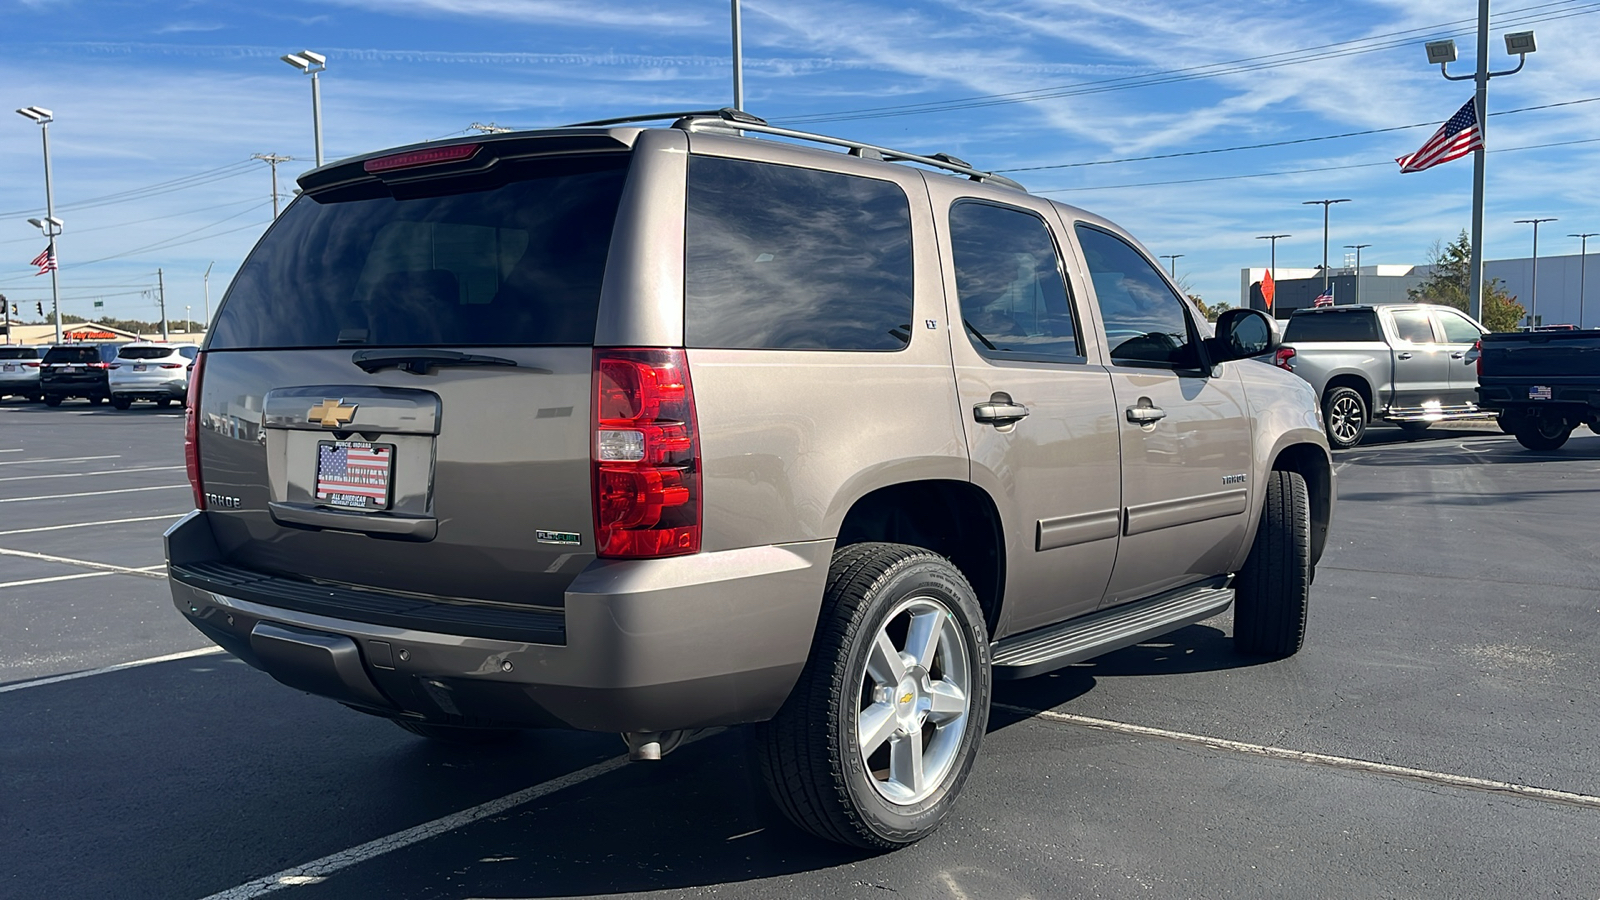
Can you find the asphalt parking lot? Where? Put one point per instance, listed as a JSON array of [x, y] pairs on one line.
[[1436, 738]]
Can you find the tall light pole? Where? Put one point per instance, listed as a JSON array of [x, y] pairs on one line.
[[1272, 267], [1583, 261], [206, 281], [1325, 205], [1358, 248], [1533, 308], [1172, 263], [1444, 52], [312, 64], [50, 225], [738, 58]]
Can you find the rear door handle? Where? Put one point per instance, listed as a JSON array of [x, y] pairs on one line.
[[1404, 356], [999, 413], [1146, 415], [1458, 355]]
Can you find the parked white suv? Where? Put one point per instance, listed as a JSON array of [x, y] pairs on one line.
[[151, 371]]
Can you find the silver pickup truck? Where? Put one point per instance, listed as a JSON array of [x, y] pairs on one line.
[[1407, 365]]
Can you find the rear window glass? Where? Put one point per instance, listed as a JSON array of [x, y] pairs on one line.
[[783, 258], [1352, 326], [144, 352], [516, 260], [18, 353], [73, 355]]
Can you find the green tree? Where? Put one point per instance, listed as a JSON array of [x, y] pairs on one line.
[[1450, 279], [1208, 310]]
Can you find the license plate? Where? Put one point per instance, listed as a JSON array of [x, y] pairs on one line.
[[354, 474], [1539, 392], [138, 367], [11, 367]]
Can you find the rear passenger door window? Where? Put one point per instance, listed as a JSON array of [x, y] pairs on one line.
[[1146, 321], [1457, 329], [785, 258], [1413, 325], [1014, 301]]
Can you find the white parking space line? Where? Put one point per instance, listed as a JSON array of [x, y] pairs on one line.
[[91, 524], [57, 679], [46, 459], [12, 450], [159, 487], [28, 581], [91, 474], [1321, 759], [318, 870], [108, 568]]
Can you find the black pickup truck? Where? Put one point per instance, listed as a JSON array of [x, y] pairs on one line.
[[1543, 383]]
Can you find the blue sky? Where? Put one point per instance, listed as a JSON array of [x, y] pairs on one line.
[[159, 107]]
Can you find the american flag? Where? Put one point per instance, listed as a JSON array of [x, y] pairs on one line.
[[46, 261], [1454, 139], [346, 471], [1325, 298]]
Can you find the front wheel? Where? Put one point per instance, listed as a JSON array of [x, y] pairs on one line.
[[1344, 417], [1544, 434], [52, 400], [1274, 587], [122, 402], [874, 743]]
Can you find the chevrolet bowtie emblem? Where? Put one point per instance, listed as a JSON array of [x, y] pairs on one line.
[[908, 697], [332, 413]]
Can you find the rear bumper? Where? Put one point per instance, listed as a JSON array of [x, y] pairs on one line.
[[150, 388], [650, 645]]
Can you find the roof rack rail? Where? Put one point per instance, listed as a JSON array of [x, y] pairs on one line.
[[732, 119], [726, 113]]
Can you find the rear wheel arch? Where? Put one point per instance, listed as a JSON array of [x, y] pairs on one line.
[[954, 519], [1354, 382]]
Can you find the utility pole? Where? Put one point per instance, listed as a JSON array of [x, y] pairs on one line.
[[1325, 205], [1444, 53], [1172, 265], [206, 280], [1358, 248], [1533, 307], [5, 306], [1583, 262], [161, 287], [738, 58], [271, 159]]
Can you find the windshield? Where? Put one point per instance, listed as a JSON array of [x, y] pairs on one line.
[[513, 261]]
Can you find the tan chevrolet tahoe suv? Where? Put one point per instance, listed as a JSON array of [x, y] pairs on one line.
[[651, 429]]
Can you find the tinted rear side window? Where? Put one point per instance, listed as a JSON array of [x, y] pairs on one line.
[[782, 258], [1334, 327], [1008, 278], [144, 352], [18, 353], [513, 261], [86, 354]]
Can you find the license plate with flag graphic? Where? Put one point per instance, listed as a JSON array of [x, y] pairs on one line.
[[1539, 392], [355, 474]]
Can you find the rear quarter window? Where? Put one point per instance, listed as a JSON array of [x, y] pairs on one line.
[[1333, 327], [513, 258], [784, 258], [144, 352]]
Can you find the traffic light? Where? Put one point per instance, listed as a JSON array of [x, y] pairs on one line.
[[40, 306]]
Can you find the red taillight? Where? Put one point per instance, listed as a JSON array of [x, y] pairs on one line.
[[428, 157], [172, 365], [1477, 347], [33, 365], [1284, 358], [191, 433], [646, 455], [100, 365]]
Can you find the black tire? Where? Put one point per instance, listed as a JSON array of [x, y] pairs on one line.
[[122, 402], [809, 752], [96, 401], [1544, 434], [1273, 589], [1344, 417], [460, 735], [52, 400]]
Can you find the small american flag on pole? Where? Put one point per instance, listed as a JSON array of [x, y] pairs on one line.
[[1454, 139], [46, 262], [1325, 298]]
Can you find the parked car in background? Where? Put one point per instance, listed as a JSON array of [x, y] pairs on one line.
[[76, 370], [1543, 383], [646, 430], [1406, 365], [151, 371], [19, 371]]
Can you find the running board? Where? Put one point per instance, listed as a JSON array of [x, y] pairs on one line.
[[1052, 647]]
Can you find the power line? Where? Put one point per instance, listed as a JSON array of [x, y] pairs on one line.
[[188, 212], [209, 176]]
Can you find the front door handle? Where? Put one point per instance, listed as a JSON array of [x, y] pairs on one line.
[[1146, 415], [999, 413], [1459, 354], [1404, 356]]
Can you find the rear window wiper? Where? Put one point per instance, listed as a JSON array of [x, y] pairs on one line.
[[420, 361]]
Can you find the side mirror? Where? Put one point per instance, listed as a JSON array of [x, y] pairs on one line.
[[1241, 334]]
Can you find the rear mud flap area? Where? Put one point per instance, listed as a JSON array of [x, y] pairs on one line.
[[328, 665]]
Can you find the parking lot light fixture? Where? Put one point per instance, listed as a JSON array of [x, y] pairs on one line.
[[50, 225], [1172, 263], [1325, 205], [1583, 261], [312, 64], [1357, 248], [1533, 290]]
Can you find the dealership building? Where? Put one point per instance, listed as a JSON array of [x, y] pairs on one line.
[[1558, 301]]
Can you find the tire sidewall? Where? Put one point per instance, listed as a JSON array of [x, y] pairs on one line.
[[1333, 397], [922, 577]]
